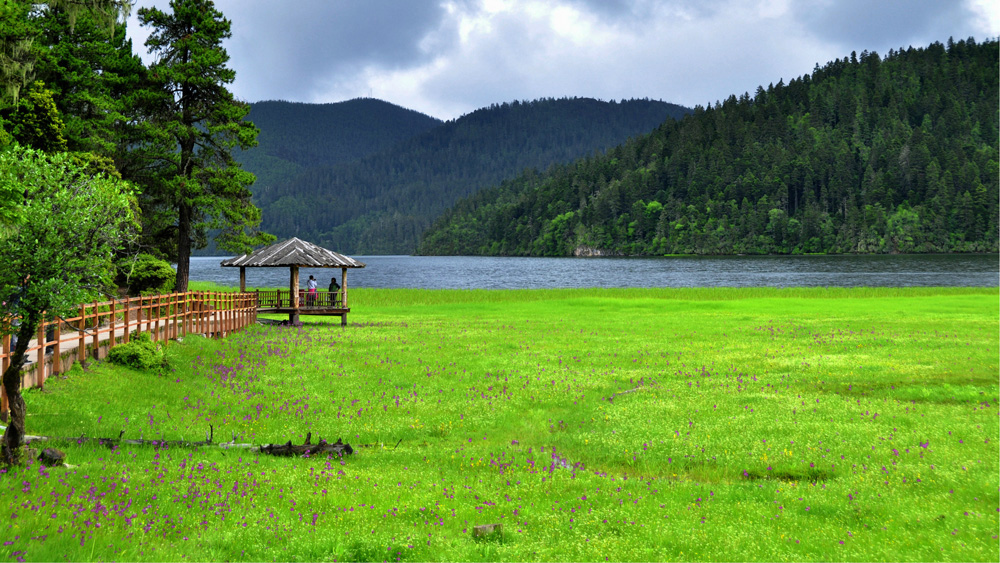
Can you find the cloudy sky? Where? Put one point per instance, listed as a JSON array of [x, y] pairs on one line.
[[447, 58]]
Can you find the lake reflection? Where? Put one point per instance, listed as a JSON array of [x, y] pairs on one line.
[[473, 272]]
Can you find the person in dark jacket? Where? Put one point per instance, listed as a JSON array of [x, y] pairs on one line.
[[334, 290]]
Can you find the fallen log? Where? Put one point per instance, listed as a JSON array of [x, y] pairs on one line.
[[308, 450], [305, 450]]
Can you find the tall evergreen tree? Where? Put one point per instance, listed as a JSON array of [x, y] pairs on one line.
[[202, 187], [95, 78]]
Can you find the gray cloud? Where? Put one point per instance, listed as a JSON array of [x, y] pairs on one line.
[[288, 50], [285, 50], [625, 10], [856, 25]]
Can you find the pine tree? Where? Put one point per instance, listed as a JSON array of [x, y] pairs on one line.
[[95, 78], [18, 31], [201, 123]]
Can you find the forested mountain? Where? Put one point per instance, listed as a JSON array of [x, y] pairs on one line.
[[381, 204], [295, 136], [865, 155]]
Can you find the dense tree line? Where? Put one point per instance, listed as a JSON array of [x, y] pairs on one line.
[[865, 155], [382, 203], [71, 83]]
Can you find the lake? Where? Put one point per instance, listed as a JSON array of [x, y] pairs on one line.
[[474, 272]]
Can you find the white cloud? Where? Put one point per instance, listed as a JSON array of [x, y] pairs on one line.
[[986, 22]]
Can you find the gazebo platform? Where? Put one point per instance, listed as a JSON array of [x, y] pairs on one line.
[[294, 254], [278, 302]]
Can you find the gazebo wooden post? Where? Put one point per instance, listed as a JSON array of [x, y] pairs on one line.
[[293, 289], [343, 288], [243, 279]]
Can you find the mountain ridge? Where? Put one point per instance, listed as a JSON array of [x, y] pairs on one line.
[[382, 202], [295, 136], [864, 155]]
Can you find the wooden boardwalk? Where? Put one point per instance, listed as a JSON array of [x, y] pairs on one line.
[[100, 326]]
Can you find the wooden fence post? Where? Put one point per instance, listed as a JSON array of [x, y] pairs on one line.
[[57, 351], [97, 331], [111, 325], [143, 314], [81, 342], [126, 320], [5, 346], [184, 313], [40, 365], [184, 309], [158, 300]]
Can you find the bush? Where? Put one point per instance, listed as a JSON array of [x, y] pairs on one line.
[[146, 273], [140, 353]]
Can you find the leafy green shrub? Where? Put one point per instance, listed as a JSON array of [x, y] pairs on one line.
[[140, 353], [146, 273]]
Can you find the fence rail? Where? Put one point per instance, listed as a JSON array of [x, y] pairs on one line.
[[100, 326]]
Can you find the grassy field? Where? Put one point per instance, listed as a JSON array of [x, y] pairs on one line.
[[621, 425]]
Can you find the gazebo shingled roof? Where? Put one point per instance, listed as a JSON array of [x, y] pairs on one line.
[[294, 252]]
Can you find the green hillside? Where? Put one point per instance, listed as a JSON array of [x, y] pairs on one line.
[[295, 136], [865, 155], [382, 203]]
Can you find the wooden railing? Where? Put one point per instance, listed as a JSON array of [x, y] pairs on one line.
[[99, 326], [281, 299]]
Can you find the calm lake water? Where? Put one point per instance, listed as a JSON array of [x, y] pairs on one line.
[[471, 272]]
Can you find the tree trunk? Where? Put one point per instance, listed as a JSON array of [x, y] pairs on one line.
[[13, 437], [183, 248]]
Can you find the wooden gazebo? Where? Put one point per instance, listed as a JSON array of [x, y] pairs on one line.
[[294, 254]]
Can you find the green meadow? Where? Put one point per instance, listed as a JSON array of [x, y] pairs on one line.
[[619, 425]]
